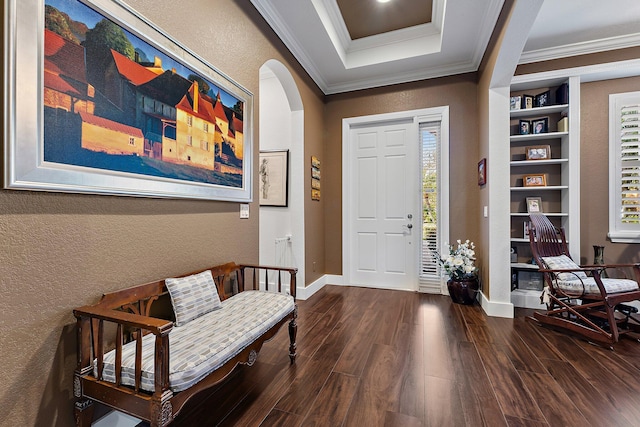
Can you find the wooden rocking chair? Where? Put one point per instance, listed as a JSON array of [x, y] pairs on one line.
[[578, 298]]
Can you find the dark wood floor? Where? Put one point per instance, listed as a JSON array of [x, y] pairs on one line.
[[371, 358]]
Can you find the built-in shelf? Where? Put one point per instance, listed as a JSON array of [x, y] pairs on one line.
[[538, 136], [539, 110], [541, 188], [546, 213], [524, 266], [538, 162], [526, 298], [561, 165]]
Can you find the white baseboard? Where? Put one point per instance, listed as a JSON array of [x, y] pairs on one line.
[[306, 292], [496, 309]]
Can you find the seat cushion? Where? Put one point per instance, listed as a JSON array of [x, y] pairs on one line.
[[588, 284], [205, 343], [192, 296], [563, 262]]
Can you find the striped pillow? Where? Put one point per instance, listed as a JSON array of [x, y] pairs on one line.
[[192, 296]]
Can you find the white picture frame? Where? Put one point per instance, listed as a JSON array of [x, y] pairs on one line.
[[27, 166]]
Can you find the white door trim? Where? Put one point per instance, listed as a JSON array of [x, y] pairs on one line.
[[417, 116]]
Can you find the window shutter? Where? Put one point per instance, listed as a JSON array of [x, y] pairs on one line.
[[630, 164], [624, 167], [430, 136]]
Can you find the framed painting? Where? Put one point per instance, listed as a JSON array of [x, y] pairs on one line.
[[99, 100], [274, 178]]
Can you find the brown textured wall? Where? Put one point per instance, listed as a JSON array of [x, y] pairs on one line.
[[314, 211], [60, 251], [594, 170], [460, 94]]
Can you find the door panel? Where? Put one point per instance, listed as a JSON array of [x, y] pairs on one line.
[[384, 203]]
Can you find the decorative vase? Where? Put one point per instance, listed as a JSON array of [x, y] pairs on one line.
[[598, 255], [463, 291], [598, 258]]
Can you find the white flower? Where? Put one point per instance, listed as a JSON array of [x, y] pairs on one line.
[[459, 263]]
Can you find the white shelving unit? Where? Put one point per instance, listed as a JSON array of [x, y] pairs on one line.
[[561, 196]]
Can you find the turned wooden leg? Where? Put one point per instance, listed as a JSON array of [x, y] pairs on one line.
[[293, 330], [83, 412]]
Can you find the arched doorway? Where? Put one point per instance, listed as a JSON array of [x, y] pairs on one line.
[[281, 127]]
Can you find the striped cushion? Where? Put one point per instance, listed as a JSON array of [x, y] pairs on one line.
[[611, 286], [192, 296], [206, 343], [563, 262]]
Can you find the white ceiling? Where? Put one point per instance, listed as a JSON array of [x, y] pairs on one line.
[[453, 43]]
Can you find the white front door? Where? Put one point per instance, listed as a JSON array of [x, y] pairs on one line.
[[383, 204]]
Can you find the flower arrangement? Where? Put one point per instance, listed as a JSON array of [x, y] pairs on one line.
[[459, 263]]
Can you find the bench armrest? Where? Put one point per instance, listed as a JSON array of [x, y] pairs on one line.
[[152, 324], [255, 277]]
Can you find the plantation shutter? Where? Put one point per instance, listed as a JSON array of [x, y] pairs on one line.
[[430, 138], [624, 163], [630, 164]]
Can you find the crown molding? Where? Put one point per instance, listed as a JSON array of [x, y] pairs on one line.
[[398, 78], [582, 48], [282, 30]]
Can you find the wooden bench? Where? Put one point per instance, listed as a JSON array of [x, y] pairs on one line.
[[116, 334]]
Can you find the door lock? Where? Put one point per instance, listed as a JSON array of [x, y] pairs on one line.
[[409, 226]]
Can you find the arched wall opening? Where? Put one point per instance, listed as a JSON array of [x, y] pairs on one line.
[[281, 114]]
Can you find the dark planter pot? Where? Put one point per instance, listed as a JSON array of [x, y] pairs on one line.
[[463, 291]]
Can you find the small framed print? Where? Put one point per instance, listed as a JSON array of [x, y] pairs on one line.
[[538, 152], [527, 101], [482, 172], [515, 103], [536, 180], [540, 125], [524, 127], [534, 205], [542, 99], [526, 230]]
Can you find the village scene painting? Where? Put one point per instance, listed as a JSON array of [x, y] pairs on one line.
[[114, 102]]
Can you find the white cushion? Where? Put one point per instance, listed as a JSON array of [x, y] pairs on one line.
[[192, 296], [206, 343], [588, 286], [563, 262]]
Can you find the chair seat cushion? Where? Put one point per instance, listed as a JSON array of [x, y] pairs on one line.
[[205, 343], [563, 262], [588, 284]]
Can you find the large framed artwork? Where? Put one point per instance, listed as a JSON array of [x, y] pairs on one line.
[[99, 100]]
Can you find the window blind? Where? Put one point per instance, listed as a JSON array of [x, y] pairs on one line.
[[430, 137], [630, 164]]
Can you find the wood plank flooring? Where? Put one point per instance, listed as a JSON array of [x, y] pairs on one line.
[[369, 357]]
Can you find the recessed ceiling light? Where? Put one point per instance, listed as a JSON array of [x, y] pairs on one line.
[[384, 1]]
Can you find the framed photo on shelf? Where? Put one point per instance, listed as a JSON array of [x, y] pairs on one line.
[[538, 152], [534, 180], [482, 172], [540, 125], [526, 230], [515, 103], [542, 99], [534, 205], [527, 101], [524, 127]]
